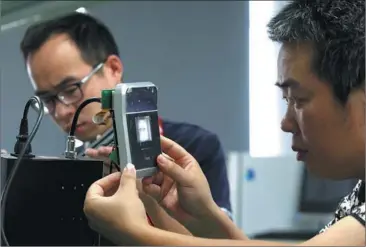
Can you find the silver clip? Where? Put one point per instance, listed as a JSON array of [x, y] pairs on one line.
[[70, 152]]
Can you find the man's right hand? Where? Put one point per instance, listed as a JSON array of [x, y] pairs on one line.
[[101, 153], [181, 187]]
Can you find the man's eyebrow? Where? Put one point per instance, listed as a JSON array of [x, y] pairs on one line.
[[61, 84], [289, 83]]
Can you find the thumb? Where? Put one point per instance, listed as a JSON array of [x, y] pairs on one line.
[[153, 190], [128, 178], [174, 171]]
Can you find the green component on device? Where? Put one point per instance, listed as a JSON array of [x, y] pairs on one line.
[[114, 157], [106, 101]]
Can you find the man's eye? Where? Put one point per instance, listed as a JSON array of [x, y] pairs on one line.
[[47, 100], [294, 101], [69, 91], [300, 102]]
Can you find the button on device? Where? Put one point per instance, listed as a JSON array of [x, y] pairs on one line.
[[147, 153]]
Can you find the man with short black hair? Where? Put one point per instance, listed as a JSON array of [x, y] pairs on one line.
[[74, 57]]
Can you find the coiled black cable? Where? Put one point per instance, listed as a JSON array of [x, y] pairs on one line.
[[77, 113], [5, 191]]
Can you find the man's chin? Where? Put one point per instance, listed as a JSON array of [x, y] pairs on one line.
[[88, 136], [325, 170], [85, 138]]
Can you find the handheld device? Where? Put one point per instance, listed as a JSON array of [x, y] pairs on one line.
[[136, 127]]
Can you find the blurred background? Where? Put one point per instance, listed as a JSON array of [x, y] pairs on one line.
[[215, 67]]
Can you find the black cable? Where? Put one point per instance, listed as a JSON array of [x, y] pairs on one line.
[[28, 104], [115, 138], [22, 137], [115, 166], [70, 152], [5, 191], [77, 113]]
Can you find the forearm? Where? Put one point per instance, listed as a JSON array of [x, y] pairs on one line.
[[216, 225], [162, 220], [156, 237]]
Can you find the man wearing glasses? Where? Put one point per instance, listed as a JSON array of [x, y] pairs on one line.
[[73, 58]]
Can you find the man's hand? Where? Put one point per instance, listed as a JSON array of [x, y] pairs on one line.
[[180, 186], [113, 207], [101, 153]]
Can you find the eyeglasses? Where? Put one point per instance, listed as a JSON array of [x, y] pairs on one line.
[[67, 94]]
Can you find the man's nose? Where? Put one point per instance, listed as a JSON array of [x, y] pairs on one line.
[[288, 123], [64, 112]]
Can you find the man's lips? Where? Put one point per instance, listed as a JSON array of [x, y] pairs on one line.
[[297, 149], [300, 153], [78, 128]]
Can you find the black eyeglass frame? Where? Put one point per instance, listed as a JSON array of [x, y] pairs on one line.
[[55, 97]]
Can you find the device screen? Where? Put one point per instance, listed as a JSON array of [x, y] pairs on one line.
[[142, 99], [143, 128], [142, 118]]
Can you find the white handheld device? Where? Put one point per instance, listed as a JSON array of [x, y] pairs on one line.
[[136, 126]]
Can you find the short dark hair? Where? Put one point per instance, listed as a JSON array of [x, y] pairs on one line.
[[336, 31], [92, 37]]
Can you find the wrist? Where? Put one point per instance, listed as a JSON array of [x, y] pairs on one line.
[[207, 224], [213, 214], [217, 224], [141, 235], [134, 235]]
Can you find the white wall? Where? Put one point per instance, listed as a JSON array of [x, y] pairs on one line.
[[266, 106]]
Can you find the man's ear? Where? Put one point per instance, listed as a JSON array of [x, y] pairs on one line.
[[364, 106], [114, 68], [356, 108], [362, 99]]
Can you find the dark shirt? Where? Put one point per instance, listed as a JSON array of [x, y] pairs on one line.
[[206, 148]]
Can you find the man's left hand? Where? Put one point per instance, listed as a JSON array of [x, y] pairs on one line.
[[113, 207]]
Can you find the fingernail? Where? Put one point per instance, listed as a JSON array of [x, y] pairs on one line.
[[162, 159], [130, 168]]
